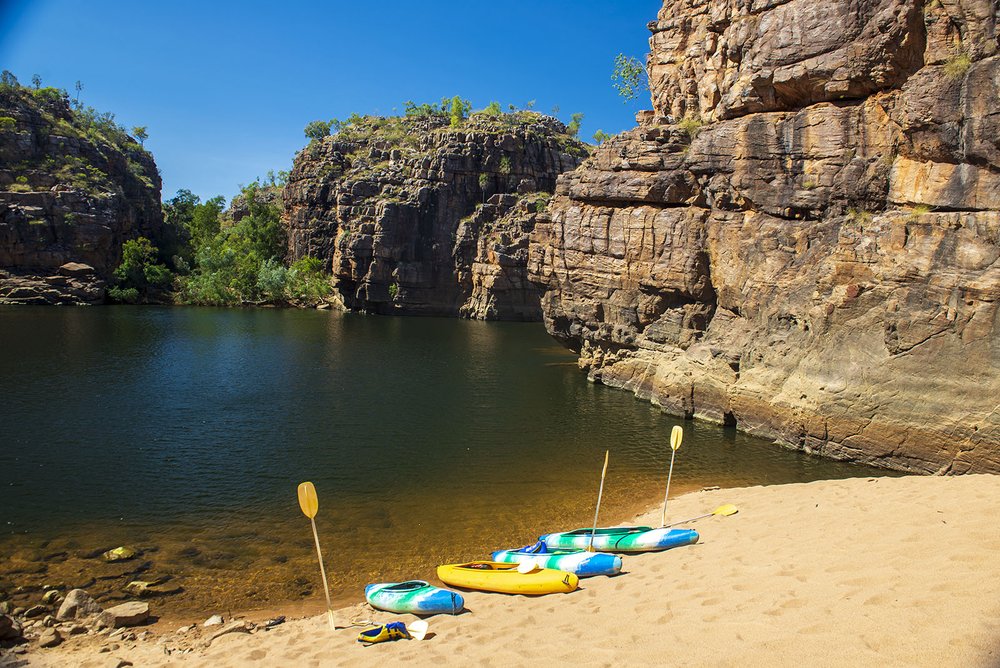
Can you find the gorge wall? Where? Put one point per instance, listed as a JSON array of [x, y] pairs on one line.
[[73, 188], [801, 239], [413, 216]]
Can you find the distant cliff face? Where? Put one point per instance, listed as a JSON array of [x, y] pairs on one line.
[[803, 237], [72, 190], [390, 205]]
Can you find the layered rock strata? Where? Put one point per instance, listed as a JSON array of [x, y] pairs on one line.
[[69, 193], [802, 239], [414, 216]]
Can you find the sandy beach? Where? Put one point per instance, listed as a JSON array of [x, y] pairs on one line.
[[876, 571]]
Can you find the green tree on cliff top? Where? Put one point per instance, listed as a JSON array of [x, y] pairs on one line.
[[459, 109]]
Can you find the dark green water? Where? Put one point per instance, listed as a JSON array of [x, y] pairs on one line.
[[186, 431]]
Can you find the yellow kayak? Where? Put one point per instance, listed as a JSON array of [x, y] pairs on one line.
[[506, 579]]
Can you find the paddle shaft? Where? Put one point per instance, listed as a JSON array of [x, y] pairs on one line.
[[700, 517], [725, 511], [663, 517], [600, 492], [322, 571]]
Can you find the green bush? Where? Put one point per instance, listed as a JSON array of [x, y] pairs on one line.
[[458, 110], [493, 109], [957, 66], [691, 126], [574, 124], [7, 124], [317, 129], [601, 136], [139, 277], [242, 262]]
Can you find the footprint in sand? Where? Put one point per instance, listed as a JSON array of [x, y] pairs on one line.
[[877, 599], [793, 603], [257, 654]]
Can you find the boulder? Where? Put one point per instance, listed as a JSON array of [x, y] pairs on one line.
[[76, 269], [128, 614], [78, 604]]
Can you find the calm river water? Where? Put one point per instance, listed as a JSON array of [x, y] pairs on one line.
[[184, 432]]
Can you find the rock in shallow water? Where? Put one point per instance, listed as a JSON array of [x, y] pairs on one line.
[[158, 587], [121, 554]]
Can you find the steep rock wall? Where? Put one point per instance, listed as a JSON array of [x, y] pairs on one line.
[[69, 194], [802, 239], [390, 205]]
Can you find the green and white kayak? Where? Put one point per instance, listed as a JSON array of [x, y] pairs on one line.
[[621, 539], [415, 597], [581, 563]]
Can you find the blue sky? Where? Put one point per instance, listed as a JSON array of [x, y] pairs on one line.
[[226, 88]]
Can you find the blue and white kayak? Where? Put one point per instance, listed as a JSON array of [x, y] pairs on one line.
[[621, 539], [415, 597], [581, 563]]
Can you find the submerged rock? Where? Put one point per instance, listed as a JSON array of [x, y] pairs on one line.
[[158, 587], [121, 554]]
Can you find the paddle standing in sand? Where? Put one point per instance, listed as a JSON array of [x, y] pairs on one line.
[[309, 503]]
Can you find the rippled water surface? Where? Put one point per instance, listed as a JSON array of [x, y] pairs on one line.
[[184, 432]]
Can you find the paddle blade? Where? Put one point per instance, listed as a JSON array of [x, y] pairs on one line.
[[527, 566], [676, 436], [726, 510], [417, 629], [308, 501]]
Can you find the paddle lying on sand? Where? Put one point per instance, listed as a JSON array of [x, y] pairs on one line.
[[309, 503], [590, 548], [723, 511], [676, 436]]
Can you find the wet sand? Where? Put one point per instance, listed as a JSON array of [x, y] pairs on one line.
[[878, 571]]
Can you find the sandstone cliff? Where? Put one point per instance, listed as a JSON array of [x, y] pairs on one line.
[[73, 187], [390, 206], [802, 238]]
